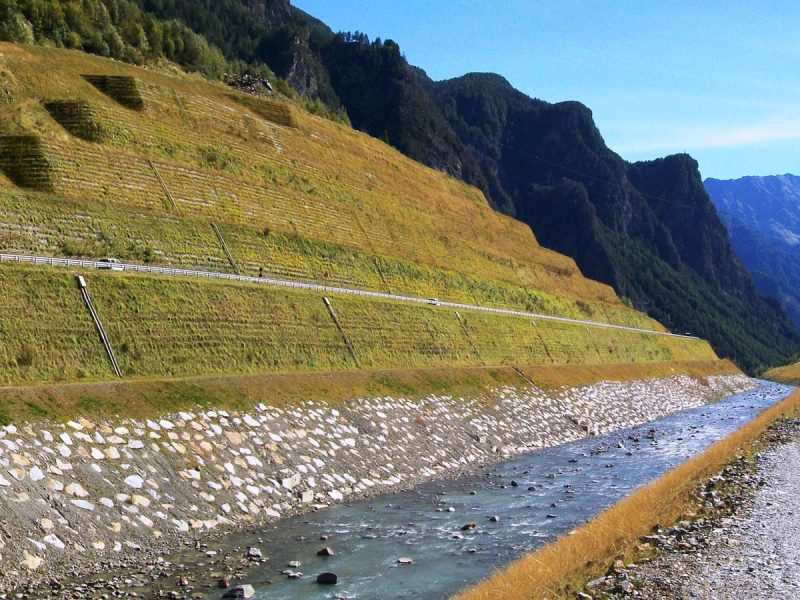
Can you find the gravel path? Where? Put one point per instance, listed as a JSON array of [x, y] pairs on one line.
[[755, 555]]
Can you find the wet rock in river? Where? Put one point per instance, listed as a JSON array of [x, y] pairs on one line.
[[241, 591], [328, 578], [325, 552]]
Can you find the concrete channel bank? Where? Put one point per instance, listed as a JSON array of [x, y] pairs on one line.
[[85, 495]]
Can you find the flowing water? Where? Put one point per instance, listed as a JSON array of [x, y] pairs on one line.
[[536, 497]]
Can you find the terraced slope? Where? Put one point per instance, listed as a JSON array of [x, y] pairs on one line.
[[169, 169], [296, 194], [164, 327]]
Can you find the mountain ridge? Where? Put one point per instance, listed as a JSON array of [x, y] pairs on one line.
[[762, 215]]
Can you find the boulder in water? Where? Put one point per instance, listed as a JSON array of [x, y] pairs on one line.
[[241, 591]]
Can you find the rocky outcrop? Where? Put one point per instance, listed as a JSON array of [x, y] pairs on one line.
[[80, 494]]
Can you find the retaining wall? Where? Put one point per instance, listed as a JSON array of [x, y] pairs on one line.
[[74, 495]]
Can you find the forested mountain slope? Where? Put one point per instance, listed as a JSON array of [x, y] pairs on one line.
[[646, 228]]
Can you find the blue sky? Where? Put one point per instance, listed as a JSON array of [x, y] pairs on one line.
[[720, 80]]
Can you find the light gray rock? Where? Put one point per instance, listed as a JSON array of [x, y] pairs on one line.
[[240, 591]]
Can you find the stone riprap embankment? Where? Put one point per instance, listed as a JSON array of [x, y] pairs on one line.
[[81, 496]]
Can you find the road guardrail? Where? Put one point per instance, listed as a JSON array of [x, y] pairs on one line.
[[130, 267]]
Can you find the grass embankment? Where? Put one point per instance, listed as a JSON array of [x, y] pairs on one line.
[[141, 163], [148, 398], [54, 227], [296, 195], [559, 570], [167, 327], [789, 374]]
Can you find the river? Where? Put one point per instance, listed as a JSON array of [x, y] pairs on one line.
[[535, 498]]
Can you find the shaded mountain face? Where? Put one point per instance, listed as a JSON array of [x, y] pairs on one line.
[[648, 229], [762, 215], [385, 97]]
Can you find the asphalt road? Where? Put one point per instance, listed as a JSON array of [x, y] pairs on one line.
[[167, 271]]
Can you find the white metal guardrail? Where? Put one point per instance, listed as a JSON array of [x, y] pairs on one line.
[[94, 264]]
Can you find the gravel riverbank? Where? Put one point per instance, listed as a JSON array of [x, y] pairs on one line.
[[746, 544]]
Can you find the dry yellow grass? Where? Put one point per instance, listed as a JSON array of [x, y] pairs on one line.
[[151, 397], [179, 327], [573, 559], [315, 200], [787, 374]]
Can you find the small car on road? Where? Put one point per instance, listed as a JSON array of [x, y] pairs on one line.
[[110, 263]]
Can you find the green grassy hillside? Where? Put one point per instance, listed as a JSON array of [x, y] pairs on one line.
[[165, 327], [100, 158]]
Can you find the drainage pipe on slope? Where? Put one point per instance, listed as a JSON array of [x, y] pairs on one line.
[[341, 330], [225, 248], [469, 338], [98, 325], [163, 185]]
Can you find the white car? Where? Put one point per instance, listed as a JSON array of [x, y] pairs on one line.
[[110, 263], [434, 301]]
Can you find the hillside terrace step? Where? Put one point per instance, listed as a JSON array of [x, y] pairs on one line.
[[315, 276], [23, 161], [78, 117], [121, 88], [272, 110], [131, 186]]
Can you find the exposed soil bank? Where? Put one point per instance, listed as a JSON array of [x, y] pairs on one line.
[[87, 496]]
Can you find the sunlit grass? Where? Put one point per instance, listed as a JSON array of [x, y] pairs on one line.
[[316, 200], [148, 397], [163, 326], [787, 374]]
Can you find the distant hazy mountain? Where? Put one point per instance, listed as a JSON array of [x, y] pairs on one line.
[[762, 215]]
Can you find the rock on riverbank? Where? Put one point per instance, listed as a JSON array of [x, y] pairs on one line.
[[83, 496]]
